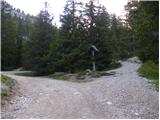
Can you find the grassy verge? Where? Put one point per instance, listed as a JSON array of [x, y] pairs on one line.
[[150, 70], [7, 81], [6, 86]]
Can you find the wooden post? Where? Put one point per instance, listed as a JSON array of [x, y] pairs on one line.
[[93, 61], [94, 66]]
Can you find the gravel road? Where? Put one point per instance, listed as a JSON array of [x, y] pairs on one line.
[[123, 95]]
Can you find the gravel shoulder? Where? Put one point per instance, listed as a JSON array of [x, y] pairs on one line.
[[123, 95]]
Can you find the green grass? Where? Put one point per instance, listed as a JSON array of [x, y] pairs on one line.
[[7, 81], [27, 74], [5, 94], [59, 76], [150, 70]]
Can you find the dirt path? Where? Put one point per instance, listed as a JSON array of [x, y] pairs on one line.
[[123, 95]]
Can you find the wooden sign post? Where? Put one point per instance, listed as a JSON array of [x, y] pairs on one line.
[[93, 50]]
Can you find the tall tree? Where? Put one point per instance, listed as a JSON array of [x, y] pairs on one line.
[[8, 38], [98, 32], [71, 32], [121, 39], [102, 38], [19, 40], [41, 37], [143, 18]]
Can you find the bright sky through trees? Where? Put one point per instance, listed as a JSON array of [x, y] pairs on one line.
[[57, 6]]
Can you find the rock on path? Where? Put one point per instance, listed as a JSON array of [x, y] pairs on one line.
[[123, 95]]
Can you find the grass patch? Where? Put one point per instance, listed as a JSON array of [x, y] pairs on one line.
[[6, 87], [7, 81], [150, 70], [59, 76], [27, 74], [4, 94]]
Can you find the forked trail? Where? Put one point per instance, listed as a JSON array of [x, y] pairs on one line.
[[123, 95]]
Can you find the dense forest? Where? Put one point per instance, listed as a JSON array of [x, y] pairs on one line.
[[34, 43]]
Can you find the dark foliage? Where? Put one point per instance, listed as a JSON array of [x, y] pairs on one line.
[[34, 43]]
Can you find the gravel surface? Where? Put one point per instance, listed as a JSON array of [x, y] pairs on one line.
[[122, 95]]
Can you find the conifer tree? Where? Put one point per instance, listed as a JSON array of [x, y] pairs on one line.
[[41, 37]]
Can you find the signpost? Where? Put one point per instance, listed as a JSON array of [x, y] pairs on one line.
[[93, 50]]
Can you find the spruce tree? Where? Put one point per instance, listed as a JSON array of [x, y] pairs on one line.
[[143, 18], [41, 37], [8, 38]]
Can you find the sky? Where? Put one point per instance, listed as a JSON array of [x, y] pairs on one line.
[[33, 7]]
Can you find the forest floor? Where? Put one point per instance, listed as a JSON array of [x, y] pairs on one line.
[[122, 95]]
